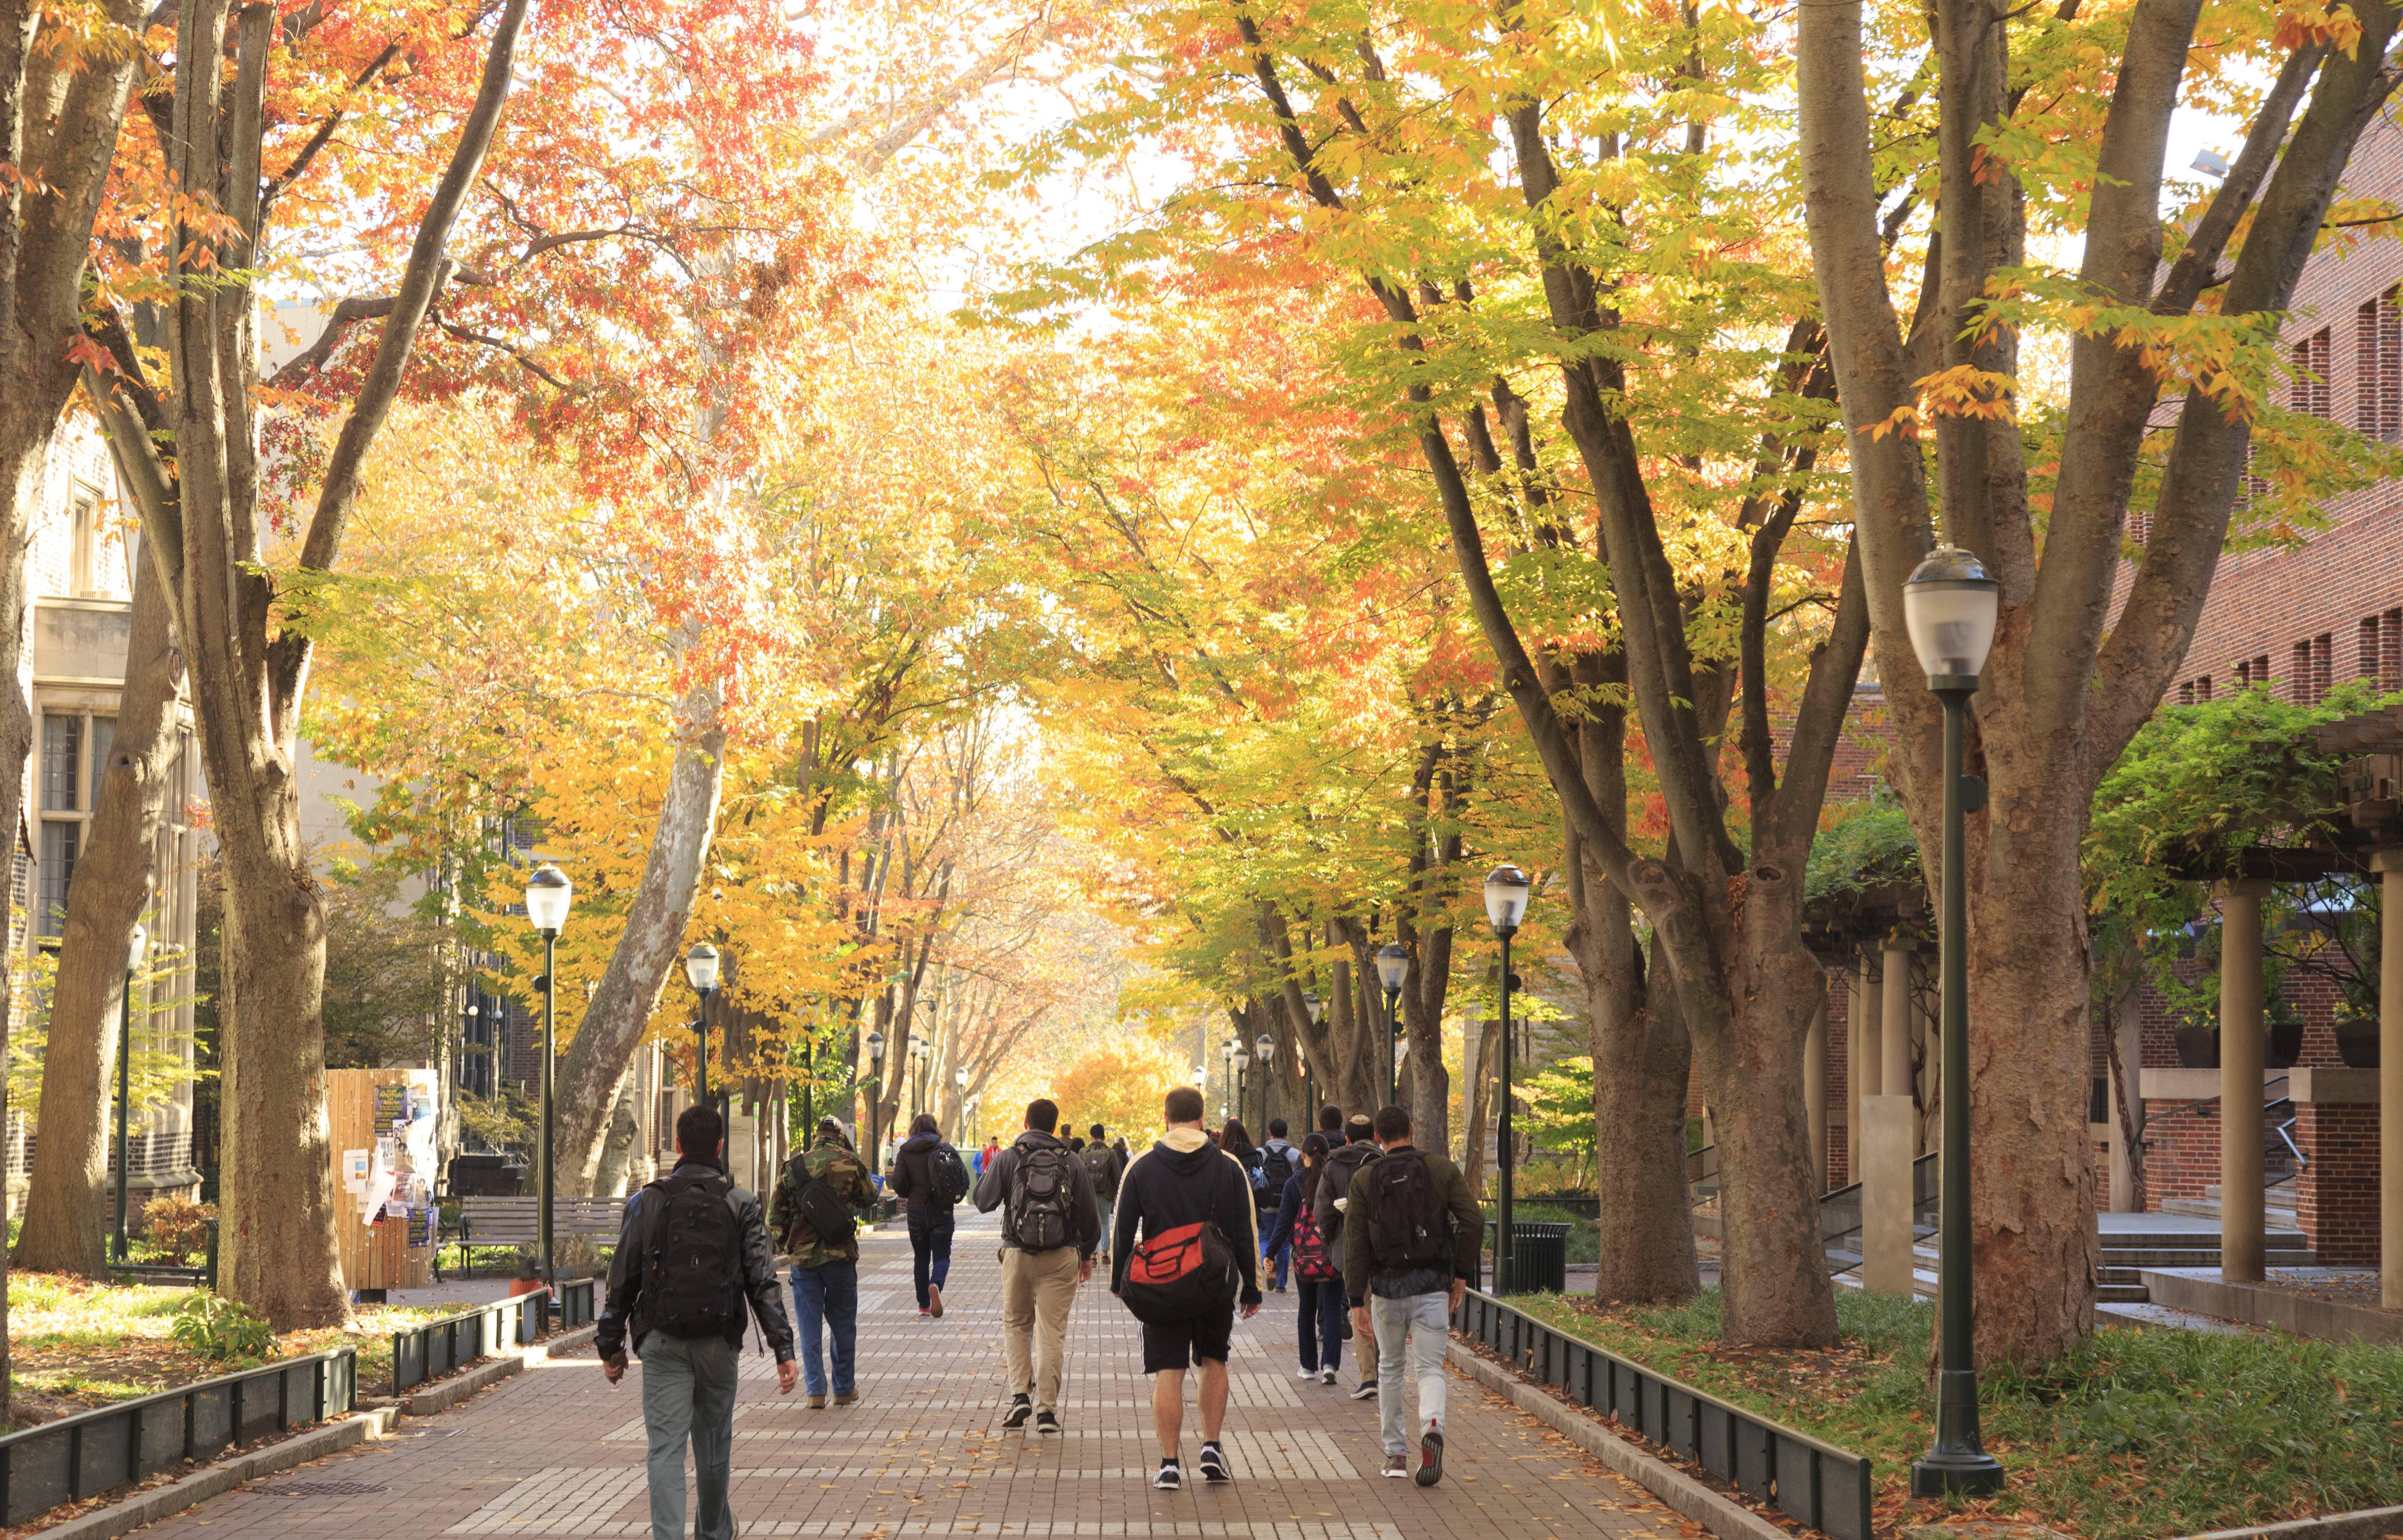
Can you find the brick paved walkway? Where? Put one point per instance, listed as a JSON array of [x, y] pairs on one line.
[[555, 1451]]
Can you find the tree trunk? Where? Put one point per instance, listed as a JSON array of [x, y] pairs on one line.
[[609, 1179], [648, 947], [1480, 1041], [115, 879]]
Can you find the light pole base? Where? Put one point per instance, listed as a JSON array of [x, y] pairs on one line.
[[1955, 1473]]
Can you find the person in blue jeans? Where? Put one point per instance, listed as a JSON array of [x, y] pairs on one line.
[[825, 1269], [930, 1216]]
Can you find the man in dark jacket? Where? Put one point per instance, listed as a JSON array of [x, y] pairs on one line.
[[930, 1217], [1407, 1301], [1048, 1231], [1103, 1164], [1354, 1146], [1183, 1180], [689, 1382]]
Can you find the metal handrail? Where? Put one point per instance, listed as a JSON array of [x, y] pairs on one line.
[[2213, 1102], [1816, 1482], [95, 1451]]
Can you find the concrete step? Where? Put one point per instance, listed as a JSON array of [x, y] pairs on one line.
[[2208, 1208], [2109, 1274], [2123, 1294]]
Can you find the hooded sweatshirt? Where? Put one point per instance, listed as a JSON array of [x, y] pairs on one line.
[[913, 1178], [1185, 1179]]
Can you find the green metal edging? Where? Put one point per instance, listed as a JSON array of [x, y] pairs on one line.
[[108, 1446], [438, 1347], [1807, 1478]]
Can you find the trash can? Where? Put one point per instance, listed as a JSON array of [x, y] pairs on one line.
[[1539, 1257]]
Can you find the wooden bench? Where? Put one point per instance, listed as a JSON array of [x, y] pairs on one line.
[[516, 1223]]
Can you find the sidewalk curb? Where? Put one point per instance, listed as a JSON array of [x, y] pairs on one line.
[[1720, 1515], [147, 1507], [2367, 1524], [444, 1393]]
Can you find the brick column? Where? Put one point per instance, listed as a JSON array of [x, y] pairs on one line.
[[1814, 1087], [2243, 1050], [2389, 865]]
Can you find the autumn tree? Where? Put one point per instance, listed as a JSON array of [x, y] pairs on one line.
[[2017, 126]]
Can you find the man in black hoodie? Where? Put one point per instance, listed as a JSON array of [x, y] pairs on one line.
[[1049, 1233], [1182, 1180], [929, 1216]]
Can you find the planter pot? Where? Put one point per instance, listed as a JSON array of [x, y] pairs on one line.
[[2285, 1044], [2198, 1047], [2356, 1041]]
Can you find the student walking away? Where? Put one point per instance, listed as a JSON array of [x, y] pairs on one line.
[[1050, 1228], [930, 1177], [1411, 1235], [1276, 1165], [1102, 1165], [691, 1258], [1198, 1261], [1330, 1123], [1317, 1273], [1357, 1149], [811, 1217]]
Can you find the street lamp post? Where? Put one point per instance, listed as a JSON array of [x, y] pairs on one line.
[[701, 967], [1392, 965], [135, 947], [1225, 1080], [1316, 1009], [920, 1051], [549, 893], [875, 1100], [1951, 606], [1506, 905], [959, 1078], [1264, 1050], [1241, 1057]]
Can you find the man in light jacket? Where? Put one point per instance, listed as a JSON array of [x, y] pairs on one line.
[[1050, 1228]]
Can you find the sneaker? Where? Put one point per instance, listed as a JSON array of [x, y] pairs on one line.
[[1021, 1409], [1430, 1456], [1365, 1390], [1326, 1377], [1398, 1466], [923, 1311], [1305, 1374], [817, 1403], [845, 1397], [1213, 1464], [1167, 1477], [934, 1301], [1045, 1422]]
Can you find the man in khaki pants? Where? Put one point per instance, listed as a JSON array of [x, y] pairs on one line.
[[1049, 1227]]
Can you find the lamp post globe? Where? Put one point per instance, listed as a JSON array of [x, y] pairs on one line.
[[1506, 905], [137, 945], [1264, 1052], [548, 895], [1952, 605], [875, 1095]]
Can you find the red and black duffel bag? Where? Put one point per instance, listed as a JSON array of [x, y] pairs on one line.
[[1181, 1274]]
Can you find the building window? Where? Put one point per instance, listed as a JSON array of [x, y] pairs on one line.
[[2202, 687], [2311, 381], [2378, 365], [2185, 693], [62, 763], [74, 748], [60, 839], [2251, 672], [83, 542]]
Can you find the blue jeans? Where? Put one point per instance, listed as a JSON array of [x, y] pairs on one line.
[[688, 1394], [828, 1297], [1283, 1257], [1425, 1321], [930, 1247], [1320, 1323]]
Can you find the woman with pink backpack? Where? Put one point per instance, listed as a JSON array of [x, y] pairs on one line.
[[1319, 1323]]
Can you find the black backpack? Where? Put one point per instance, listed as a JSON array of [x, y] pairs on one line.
[[1336, 1188], [827, 1214], [692, 1279], [1102, 1165], [946, 1175], [1406, 1223], [1276, 1166], [1040, 1192]]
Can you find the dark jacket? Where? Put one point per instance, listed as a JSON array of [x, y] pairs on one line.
[[913, 1171], [1467, 1238], [1104, 1165], [1288, 1209], [621, 1314], [1084, 1213], [1343, 1163], [1267, 1196], [1186, 1180]]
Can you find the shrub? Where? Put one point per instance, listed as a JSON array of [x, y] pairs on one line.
[[178, 1226], [216, 1327]]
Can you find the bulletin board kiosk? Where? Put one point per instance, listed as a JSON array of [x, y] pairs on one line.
[[385, 1221]]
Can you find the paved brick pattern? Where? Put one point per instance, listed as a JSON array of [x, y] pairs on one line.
[[556, 1452]]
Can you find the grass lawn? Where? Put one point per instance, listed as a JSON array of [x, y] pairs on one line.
[[75, 1344], [2133, 1436]]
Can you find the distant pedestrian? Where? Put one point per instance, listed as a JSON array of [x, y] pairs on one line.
[[1276, 1163], [1102, 1165], [1357, 1149], [1317, 1273], [930, 1178], [691, 1258], [1198, 1261], [1411, 1238], [812, 1217], [1330, 1123], [992, 1149], [1049, 1229]]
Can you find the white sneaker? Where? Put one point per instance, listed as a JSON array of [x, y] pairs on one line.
[[1326, 1377], [1305, 1374]]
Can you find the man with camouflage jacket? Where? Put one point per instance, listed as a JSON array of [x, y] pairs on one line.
[[825, 1268]]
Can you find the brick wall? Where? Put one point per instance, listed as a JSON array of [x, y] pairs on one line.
[[1840, 1069], [2335, 1197], [2183, 1157]]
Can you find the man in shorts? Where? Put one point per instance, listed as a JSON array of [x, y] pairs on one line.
[[1182, 1180]]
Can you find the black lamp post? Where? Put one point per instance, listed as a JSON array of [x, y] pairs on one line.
[[921, 1051], [549, 893], [701, 967], [1393, 966], [1506, 905], [1316, 1009], [1227, 1082], [1241, 1057], [1264, 1050], [1951, 606], [138, 944], [875, 1101]]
